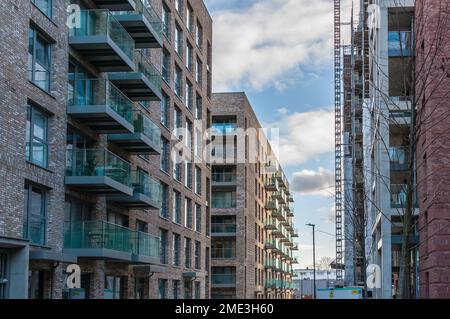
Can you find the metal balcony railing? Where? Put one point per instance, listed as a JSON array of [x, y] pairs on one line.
[[223, 228]]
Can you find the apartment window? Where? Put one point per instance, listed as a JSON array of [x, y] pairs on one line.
[[198, 143], [178, 40], [39, 60], [198, 218], [177, 120], [223, 249], [189, 96], [189, 134], [197, 290], [165, 110], [176, 250], [165, 155], [34, 227], [179, 6], [164, 210], [187, 252], [162, 288], [188, 174], [163, 246], [198, 180], [165, 65], [189, 56], [45, 6], [166, 22], [176, 289], [188, 213], [199, 35], [176, 207], [177, 166], [198, 107], [199, 71], [37, 136], [198, 255], [178, 82], [224, 199], [190, 18], [141, 226]]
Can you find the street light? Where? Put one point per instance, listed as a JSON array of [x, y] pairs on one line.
[[314, 257]]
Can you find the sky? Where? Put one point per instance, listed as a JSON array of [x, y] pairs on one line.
[[280, 52]]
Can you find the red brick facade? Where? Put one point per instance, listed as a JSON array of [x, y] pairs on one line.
[[433, 145]]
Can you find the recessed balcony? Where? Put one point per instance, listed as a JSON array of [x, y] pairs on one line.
[[142, 83], [98, 239], [98, 104], [146, 192], [115, 4], [398, 156], [143, 24], [223, 280], [223, 229], [271, 224], [103, 41], [271, 205], [146, 138], [98, 171], [223, 253], [223, 179]]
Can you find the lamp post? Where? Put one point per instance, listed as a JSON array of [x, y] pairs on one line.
[[314, 257]]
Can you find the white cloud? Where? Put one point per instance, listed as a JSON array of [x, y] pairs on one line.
[[268, 42], [303, 136], [307, 182]]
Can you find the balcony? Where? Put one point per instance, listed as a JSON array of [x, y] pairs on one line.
[[98, 171], [143, 83], [270, 284], [146, 138], [100, 105], [143, 24], [223, 230], [103, 240], [398, 157], [294, 233], [400, 43], [271, 205], [271, 184], [223, 128], [281, 178], [223, 280], [270, 244], [289, 210], [270, 264], [271, 224], [279, 214], [146, 192], [279, 196], [226, 179], [115, 4], [223, 253], [103, 41], [290, 198]]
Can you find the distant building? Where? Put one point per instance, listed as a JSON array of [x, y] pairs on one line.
[[304, 281]]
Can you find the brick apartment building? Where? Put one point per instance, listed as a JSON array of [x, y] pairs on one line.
[[433, 145], [252, 218], [86, 131]]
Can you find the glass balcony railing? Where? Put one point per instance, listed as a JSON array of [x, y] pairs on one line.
[[146, 67], [223, 253], [96, 23], [103, 235], [224, 128], [271, 205], [146, 185], [399, 158], [143, 124], [101, 92], [98, 162], [221, 203], [400, 43], [226, 177], [145, 8], [223, 279], [223, 228]]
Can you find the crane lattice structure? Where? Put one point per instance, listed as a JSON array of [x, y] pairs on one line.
[[338, 139]]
